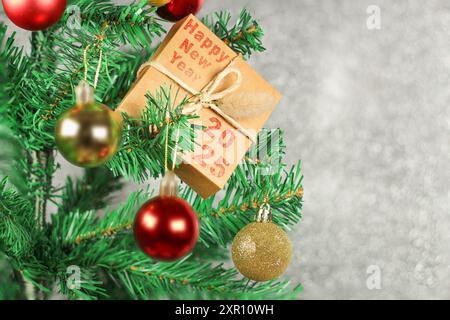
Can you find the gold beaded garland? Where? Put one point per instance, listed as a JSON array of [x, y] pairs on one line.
[[261, 251]]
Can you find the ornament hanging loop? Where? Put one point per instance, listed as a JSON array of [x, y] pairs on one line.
[[264, 213], [86, 68], [169, 185]]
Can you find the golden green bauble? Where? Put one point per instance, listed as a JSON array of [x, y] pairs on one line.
[[261, 251], [88, 134]]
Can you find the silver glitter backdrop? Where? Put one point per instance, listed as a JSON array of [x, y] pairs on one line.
[[367, 112]]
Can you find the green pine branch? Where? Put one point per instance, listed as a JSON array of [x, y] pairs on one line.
[[17, 229], [142, 154], [11, 159], [3, 60], [244, 36], [10, 282], [93, 191], [144, 279], [134, 24], [77, 227]]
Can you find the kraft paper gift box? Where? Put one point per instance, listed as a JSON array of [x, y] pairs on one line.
[[188, 61]]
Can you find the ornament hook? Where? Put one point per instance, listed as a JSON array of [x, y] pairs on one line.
[[264, 213]]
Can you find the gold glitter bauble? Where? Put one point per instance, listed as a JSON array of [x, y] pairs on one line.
[[88, 134], [261, 251]]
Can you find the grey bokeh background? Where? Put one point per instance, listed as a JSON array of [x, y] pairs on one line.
[[367, 112]]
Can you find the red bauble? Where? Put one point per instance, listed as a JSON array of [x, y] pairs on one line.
[[178, 9], [34, 15], [166, 228]]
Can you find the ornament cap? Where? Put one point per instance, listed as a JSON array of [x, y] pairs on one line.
[[264, 213], [84, 93], [159, 3], [169, 185]]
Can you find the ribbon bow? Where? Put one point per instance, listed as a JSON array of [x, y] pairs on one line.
[[207, 97]]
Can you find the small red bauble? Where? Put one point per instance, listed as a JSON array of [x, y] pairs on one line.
[[178, 9], [34, 15], [166, 228]]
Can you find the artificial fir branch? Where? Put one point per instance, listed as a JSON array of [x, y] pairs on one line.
[[10, 288], [17, 229], [11, 159], [78, 226], [135, 23], [143, 278], [255, 204], [242, 34], [142, 154], [244, 37], [3, 59], [93, 191]]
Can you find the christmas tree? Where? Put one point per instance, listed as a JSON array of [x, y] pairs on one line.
[[85, 249]]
